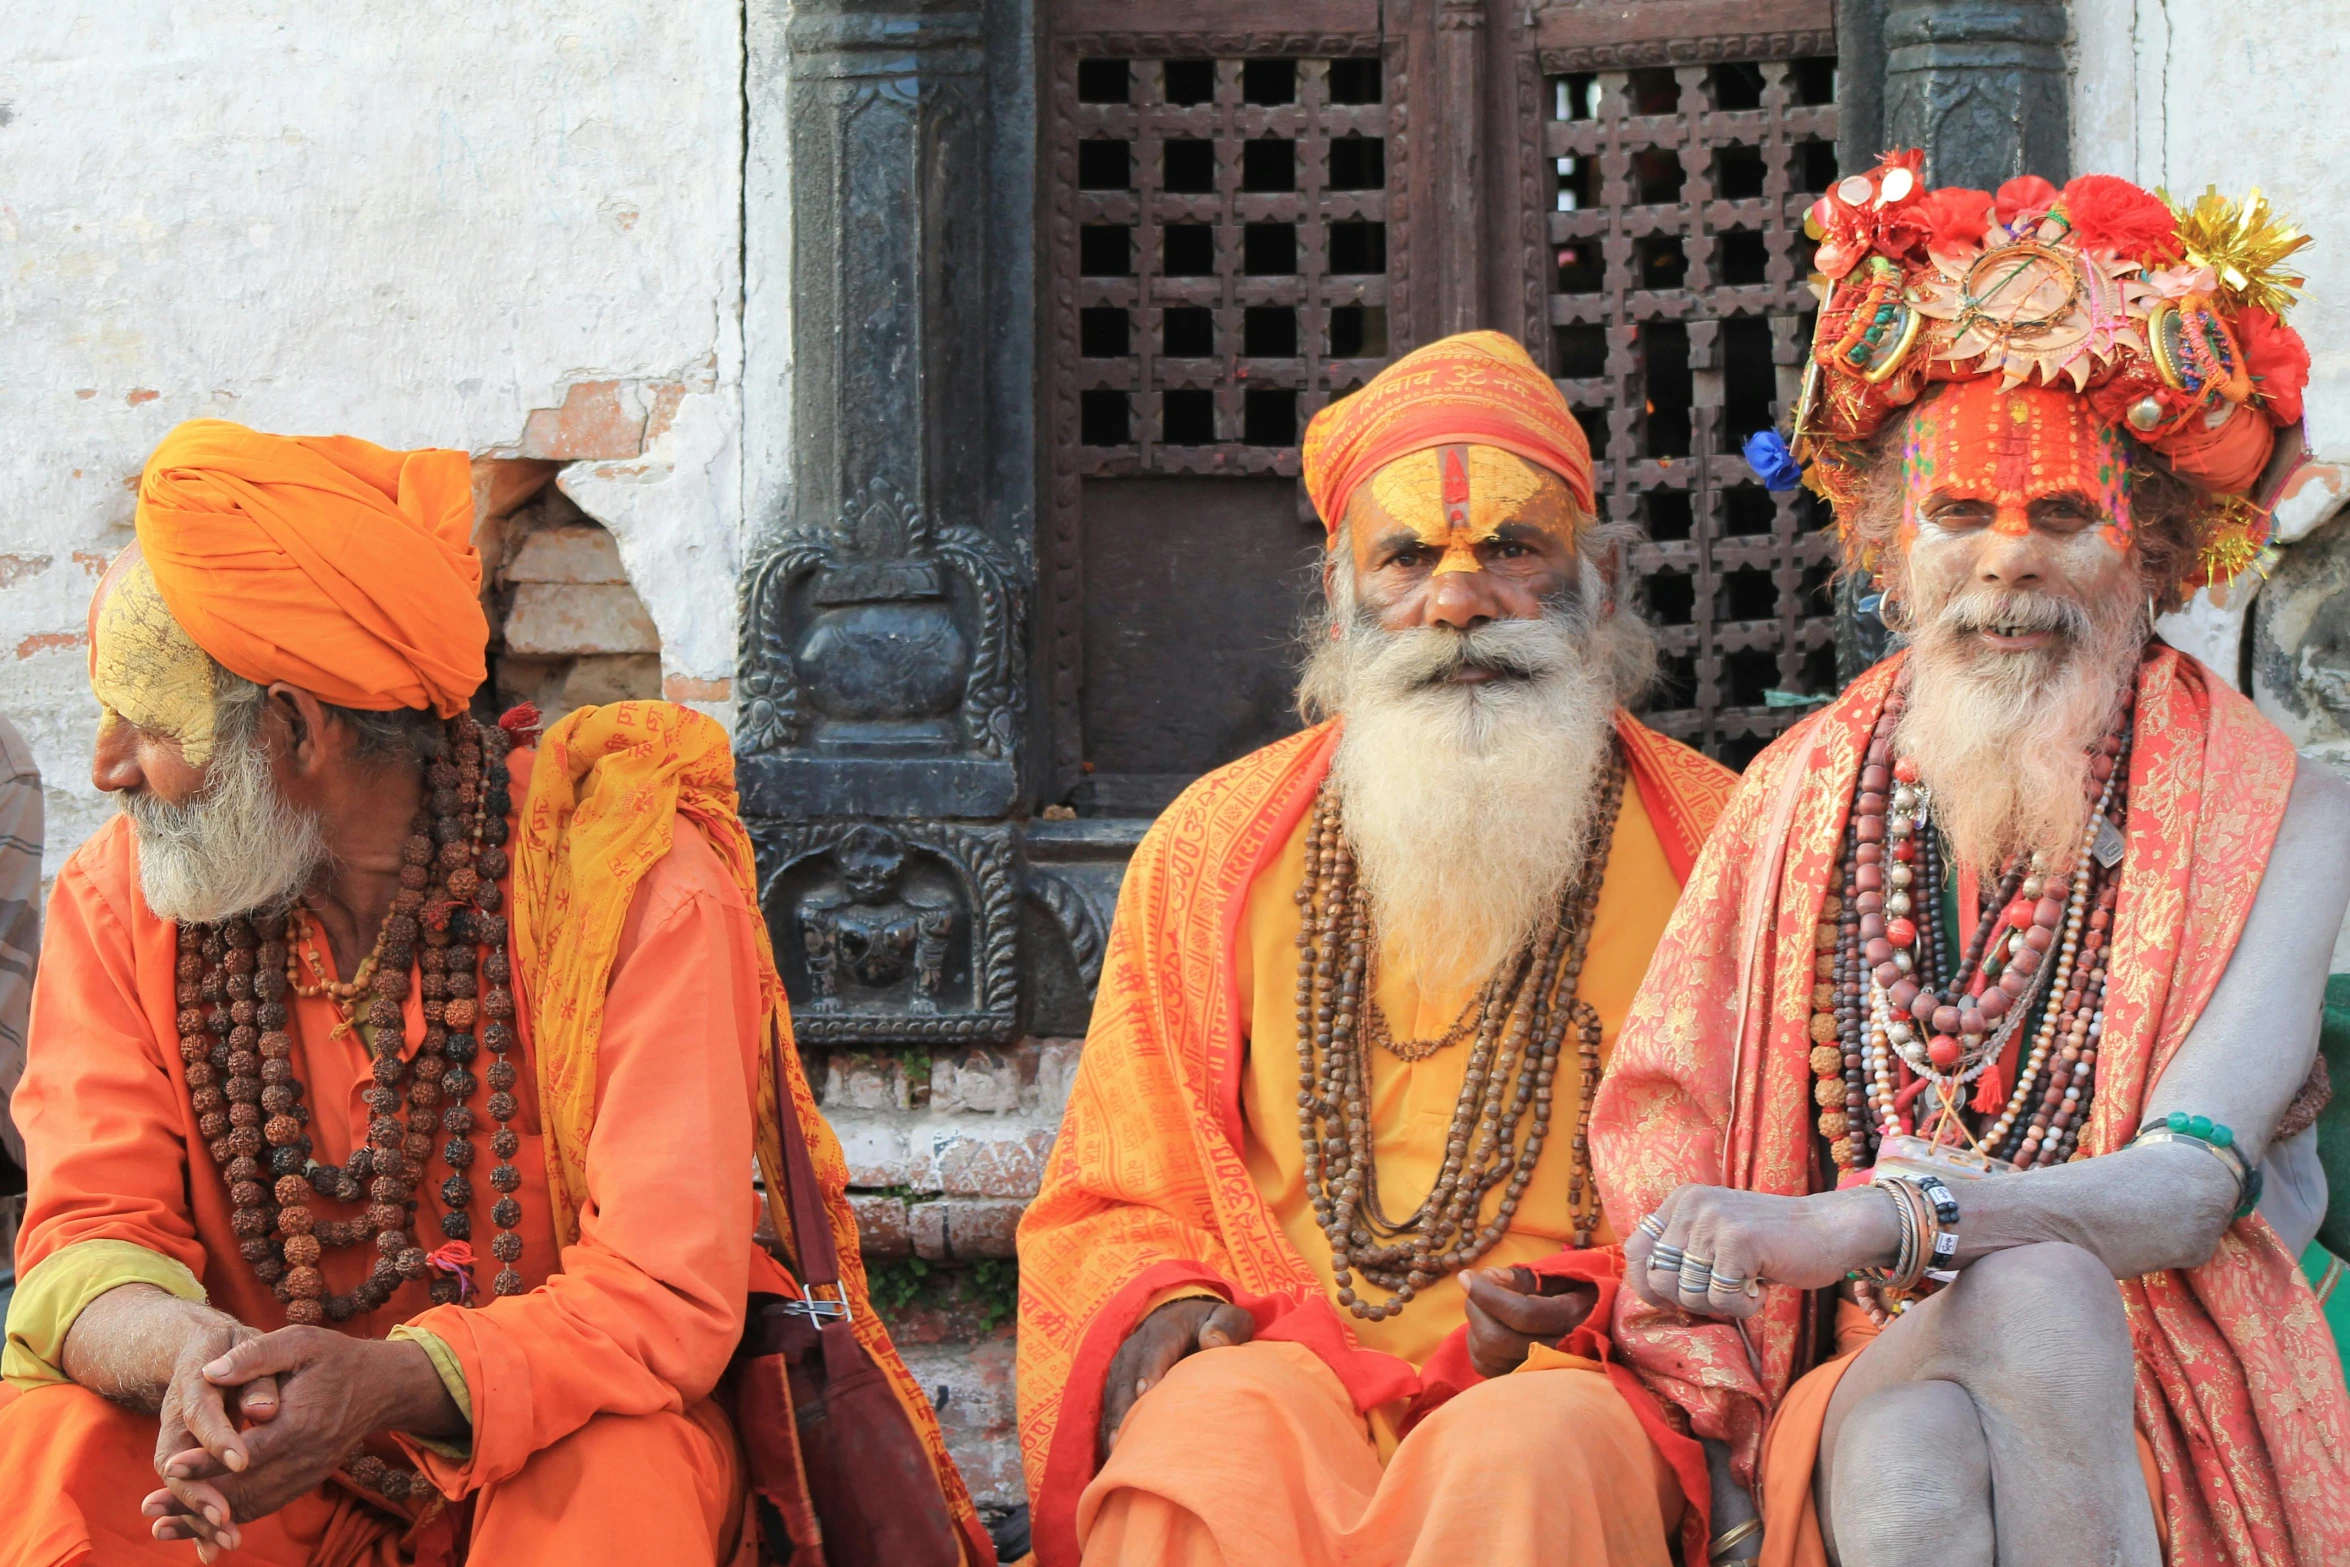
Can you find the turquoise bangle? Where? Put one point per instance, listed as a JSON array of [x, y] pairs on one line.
[[2220, 1141]]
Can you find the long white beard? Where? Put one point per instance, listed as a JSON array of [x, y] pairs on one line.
[[1469, 807], [238, 847], [2004, 740]]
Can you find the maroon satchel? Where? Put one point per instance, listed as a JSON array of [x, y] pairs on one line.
[[824, 1438]]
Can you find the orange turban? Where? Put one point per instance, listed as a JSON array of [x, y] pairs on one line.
[[324, 561], [1475, 389]]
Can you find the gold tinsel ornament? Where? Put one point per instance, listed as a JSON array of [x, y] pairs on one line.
[[2234, 532], [2245, 246]]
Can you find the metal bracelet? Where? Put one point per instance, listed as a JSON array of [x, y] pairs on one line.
[[2248, 1181], [1730, 1539]]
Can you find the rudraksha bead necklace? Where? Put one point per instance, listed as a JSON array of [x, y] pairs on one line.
[[1522, 1020], [1889, 1006], [239, 1056]]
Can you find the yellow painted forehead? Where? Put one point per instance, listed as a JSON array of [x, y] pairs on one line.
[[145, 670], [1502, 487]]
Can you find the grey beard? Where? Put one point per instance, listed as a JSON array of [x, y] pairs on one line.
[[1469, 807], [238, 847], [2004, 740]]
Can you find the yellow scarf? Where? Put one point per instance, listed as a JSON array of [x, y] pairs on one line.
[[605, 794]]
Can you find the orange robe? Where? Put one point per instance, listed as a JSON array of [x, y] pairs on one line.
[[593, 1438], [1159, 1185], [2238, 1389]]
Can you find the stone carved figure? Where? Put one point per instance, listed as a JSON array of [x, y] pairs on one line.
[[869, 929]]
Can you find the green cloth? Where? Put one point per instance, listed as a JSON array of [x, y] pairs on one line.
[[2333, 1123], [2328, 1278]]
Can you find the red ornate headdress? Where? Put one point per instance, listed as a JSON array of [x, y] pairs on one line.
[[2167, 319]]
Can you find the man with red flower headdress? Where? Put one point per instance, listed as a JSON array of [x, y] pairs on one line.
[[392, 1092], [1321, 1189], [1940, 1126]]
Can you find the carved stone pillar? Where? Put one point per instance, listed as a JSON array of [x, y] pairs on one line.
[[883, 669], [1980, 84]]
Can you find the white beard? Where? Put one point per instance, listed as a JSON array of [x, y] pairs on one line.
[[238, 847], [1470, 807], [2003, 740]]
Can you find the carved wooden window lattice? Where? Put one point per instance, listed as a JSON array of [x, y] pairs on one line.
[[1227, 268], [1224, 250], [1679, 314]]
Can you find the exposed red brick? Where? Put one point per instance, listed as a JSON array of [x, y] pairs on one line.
[[501, 484], [15, 568], [46, 641], [881, 1225], [686, 688], [86, 393], [593, 423], [141, 395], [92, 562], [983, 1229], [667, 396], [996, 1166]]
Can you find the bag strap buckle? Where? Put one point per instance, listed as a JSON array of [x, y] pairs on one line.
[[819, 1311]]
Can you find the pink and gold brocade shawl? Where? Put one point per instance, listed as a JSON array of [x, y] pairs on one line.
[[2239, 1389]]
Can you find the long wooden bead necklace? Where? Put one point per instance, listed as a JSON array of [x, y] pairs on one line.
[[1899, 1033], [1521, 1021], [233, 1021]]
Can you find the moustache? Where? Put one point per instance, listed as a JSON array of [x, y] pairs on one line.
[[1427, 656], [2015, 614]]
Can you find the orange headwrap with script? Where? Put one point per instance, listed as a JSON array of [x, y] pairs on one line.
[[1475, 389], [325, 561]]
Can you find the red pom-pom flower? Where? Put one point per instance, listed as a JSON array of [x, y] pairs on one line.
[[1955, 219], [2115, 216], [2278, 360], [2024, 200]]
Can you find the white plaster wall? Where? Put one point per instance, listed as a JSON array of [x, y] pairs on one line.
[[2234, 93], [2239, 93], [414, 221]]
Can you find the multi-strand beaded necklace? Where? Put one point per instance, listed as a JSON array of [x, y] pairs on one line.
[[1904, 1043], [1522, 1020], [233, 1022]]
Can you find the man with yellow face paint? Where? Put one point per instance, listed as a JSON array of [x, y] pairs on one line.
[[1321, 1190]]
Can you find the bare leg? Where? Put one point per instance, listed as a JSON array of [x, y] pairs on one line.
[[2035, 1339], [1940, 1464]]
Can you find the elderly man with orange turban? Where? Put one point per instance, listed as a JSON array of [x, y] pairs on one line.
[[1321, 1189], [392, 1090]]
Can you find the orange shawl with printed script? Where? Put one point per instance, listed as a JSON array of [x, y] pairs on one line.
[[1146, 1190], [2239, 1390], [605, 795]]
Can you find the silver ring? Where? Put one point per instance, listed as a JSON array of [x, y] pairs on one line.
[[1666, 1259], [1653, 1227], [1727, 1283], [1694, 1273]]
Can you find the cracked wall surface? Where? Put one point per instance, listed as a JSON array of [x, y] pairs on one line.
[[429, 223], [2188, 93]]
